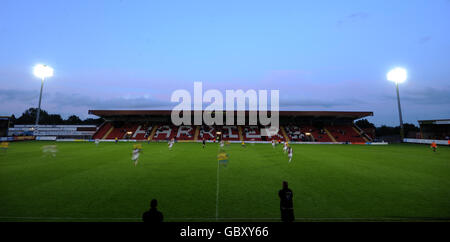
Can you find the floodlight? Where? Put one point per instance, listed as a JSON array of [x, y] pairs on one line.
[[43, 71], [397, 75]]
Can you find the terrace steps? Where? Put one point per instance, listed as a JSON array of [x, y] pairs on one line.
[[357, 131], [330, 135], [241, 137], [155, 127], [107, 133], [283, 131], [197, 131]]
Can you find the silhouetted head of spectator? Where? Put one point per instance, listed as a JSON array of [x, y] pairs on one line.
[[153, 203], [285, 185]]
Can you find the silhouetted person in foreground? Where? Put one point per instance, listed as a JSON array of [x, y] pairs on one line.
[[286, 203], [153, 215]]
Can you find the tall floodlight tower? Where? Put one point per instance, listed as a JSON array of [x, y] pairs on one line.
[[41, 71], [398, 75]]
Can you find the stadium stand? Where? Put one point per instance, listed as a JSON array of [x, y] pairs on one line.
[[4, 125], [142, 132], [102, 130], [435, 129], [295, 134], [156, 125], [317, 134], [252, 133], [230, 133], [280, 136], [345, 133], [369, 133], [164, 132], [58, 131], [125, 131], [207, 132], [185, 132]]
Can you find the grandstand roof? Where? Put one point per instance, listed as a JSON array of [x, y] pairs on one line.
[[338, 114]]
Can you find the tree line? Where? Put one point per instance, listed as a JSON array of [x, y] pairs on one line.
[[385, 130], [29, 117]]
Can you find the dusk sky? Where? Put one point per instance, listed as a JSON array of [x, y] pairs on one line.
[[321, 55]]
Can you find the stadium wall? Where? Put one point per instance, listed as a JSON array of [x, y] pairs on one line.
[[427, 141], [238, 142]]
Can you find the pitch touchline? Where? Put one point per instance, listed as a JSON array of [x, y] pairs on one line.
[[217, 192]]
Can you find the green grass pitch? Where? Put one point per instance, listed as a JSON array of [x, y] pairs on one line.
[[85, 182]]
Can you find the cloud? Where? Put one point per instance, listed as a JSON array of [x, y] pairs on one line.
[[311, 96], [424, 39], [123, 102], [66, 101], [423, 96], [287, 103], [360, 15], [428, 95], [353, 17], [18, 95]]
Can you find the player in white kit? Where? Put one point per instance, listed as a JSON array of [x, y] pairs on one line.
[[290, 154], [273, 143], [50, 150], [135, 156], [285, 147], [171, 143]]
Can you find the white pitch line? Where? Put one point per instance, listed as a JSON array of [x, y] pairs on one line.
[[217, 192]]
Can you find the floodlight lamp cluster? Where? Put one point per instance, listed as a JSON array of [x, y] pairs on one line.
[[397, 75], [43, 71]]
